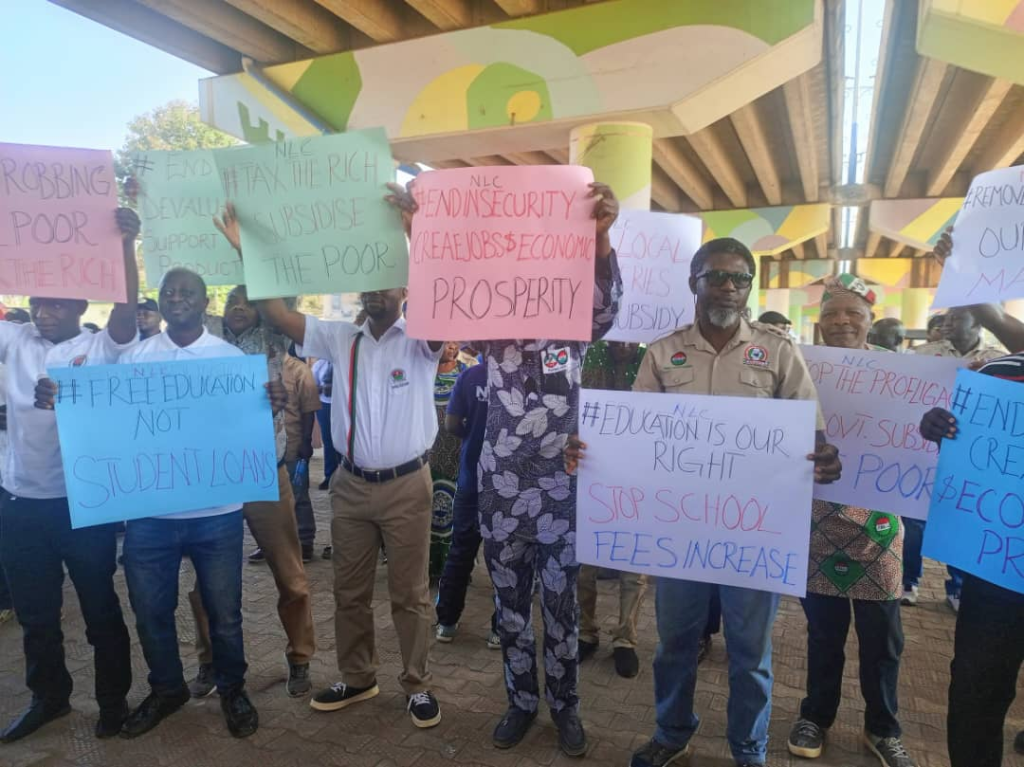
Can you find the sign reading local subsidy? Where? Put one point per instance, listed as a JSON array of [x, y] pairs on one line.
[[987, 263], [873, 403], [503, 252], [180, 193], [152, 438], [712, 489], [312, 214], [654, 252], [977, 514], [58, 234]]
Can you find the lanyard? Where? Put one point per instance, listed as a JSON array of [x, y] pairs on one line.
[[353, 375]]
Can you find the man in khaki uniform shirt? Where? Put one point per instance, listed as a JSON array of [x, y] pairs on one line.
[[725, 354]]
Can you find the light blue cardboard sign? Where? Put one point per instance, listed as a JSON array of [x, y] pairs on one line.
[[148, 439], [976, 520]]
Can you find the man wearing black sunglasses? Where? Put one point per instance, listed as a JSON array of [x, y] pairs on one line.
[[721, 353]]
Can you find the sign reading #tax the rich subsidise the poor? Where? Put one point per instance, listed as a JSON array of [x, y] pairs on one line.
[[712, 489], [503, 252]]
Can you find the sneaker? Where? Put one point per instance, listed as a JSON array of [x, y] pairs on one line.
[[571, 737], [328, 552], [953, 600], [494, 641], [587, 649], [653, 754], [239, 713], [1018, 742], [307, 553], [513, 727], [703, 648], [890, 751], [6, 616], [257, 557], [445, 634], [627, 665], [298, 683], [203, 685], [340, 695], [909, 596], [806, 739], [424, 710]]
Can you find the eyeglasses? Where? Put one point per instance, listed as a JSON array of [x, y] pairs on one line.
[[718, 277]]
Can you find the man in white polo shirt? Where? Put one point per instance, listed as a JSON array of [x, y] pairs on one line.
[[382, 488], [36, 539]]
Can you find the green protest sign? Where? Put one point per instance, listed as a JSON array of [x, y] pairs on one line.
[[179, 194], [312, 214]]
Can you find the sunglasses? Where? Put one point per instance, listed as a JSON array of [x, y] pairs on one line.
[[718, 277]]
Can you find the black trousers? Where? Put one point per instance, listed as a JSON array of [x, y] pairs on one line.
[[36, 543], [880, 644], [987, 654]]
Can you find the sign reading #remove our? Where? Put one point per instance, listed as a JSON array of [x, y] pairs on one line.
[[712, 489], [154, 438]]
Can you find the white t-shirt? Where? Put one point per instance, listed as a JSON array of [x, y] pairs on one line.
[[33, 468], [161, 348], [395, 416]]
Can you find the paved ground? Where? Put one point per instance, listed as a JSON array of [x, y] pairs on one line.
[[619, 713]]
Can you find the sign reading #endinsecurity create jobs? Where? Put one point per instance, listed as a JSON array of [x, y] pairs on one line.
[[503, 252], [58, 234], [151, 438], [712, 489]]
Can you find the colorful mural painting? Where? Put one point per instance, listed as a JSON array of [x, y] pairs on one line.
[[768, 231], [688, 64], [981, 35], [917, 223]]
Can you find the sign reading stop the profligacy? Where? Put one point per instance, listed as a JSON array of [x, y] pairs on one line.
[[503, 252]]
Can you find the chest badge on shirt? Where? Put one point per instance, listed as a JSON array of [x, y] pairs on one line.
[[678, 359], [755, 355], [556, 360], [398, 379], [78, 361]]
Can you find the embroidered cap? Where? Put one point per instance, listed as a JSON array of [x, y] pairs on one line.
[[847, 283]]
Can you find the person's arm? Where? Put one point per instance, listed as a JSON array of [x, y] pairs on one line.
[[647, 375], [123, 324], [607, 277], [455, 425], [309, 404], [938, 424], [458, 408], [306, 421], [795, 382]]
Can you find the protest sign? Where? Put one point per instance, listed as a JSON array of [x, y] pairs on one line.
[[976, 521], [312, 214], [654, 252], [987, 263], [146, 439], [712, 489], [873, 403], [58, 234], [179, 194], [503, 252]]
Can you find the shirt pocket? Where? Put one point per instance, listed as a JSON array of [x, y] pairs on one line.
[[676, 380], [757, 383]]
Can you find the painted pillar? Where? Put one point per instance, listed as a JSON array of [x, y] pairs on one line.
[[916, 302], [620, 156]]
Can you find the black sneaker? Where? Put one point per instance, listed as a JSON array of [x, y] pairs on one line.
[[239, 713], [153, 710], [626, 663], [513, 727], [203, 685], [806, 739], [653, 754], [298, 683], [324, 485], [328, 552], [587, 650], [307, 553], [111, 720], [890, 751], [31, 719], [424, 710], [340, 695], [257, 557], [571, 737]]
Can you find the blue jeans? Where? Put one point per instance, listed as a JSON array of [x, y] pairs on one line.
[[5, 592], [304, 519], [913, 563], [682, 613], [451, 590], [153, 549], [323, 417]]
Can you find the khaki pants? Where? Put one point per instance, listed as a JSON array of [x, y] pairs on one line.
[[272, 524], [365, 514], [631, 595]]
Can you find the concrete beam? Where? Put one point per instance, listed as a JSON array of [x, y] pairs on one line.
[[306, 23], [520, 7], [1004, 147], [381, 20], [678, 167], [801, 125], [925, 90], [750, 129], [712, 152], [445, 14]]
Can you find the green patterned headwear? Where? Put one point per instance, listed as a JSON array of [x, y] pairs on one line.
[[848, 284]]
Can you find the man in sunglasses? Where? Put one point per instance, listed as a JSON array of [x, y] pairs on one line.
[[721, 353]]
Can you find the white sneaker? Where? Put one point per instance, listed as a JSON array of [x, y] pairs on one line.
[[910, 596], [954, 602], [494, 641], [445, 634]]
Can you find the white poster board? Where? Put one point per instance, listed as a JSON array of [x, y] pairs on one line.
[[712, 489], [987, 263], [873, 403], [654, 252]]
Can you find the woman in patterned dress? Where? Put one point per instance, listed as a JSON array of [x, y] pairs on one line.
[[856, 555]]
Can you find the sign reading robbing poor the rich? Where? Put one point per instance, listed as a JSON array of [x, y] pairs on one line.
[[180, 193], [312, 214], [58, 234], [654, 252], [976, 521], [145, 439], [712, 489], [503, 252], [873, 403]]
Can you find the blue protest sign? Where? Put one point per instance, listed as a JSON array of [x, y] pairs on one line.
[[976, 519], [153, 438]]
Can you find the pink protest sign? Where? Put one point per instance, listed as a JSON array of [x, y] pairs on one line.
[[58, 235], [502, 252]]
